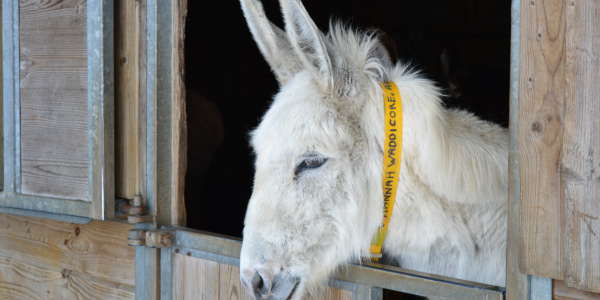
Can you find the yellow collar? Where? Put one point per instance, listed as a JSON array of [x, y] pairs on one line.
[[391, 161]]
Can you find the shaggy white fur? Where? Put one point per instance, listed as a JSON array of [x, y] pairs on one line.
[[317, 198]]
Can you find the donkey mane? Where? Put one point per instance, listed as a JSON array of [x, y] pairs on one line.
[[470, 154]]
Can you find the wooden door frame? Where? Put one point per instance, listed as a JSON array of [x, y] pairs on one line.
[[161, 59]]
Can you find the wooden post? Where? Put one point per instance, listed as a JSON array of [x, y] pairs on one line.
[[541, 98], [128, 143], [581, 147], [179, 123]]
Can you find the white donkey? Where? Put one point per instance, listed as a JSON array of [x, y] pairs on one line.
[[317, 200]]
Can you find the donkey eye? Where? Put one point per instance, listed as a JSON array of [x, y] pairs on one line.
[[311, 162]]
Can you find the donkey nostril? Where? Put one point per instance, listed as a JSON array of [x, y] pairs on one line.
[[257, 281], [258, 284]]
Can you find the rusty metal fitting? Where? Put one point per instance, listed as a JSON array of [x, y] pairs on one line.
[[165, 239], [136, 237], [133, 210], [137, 212]]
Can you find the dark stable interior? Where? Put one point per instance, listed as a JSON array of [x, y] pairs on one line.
[[463, 45]]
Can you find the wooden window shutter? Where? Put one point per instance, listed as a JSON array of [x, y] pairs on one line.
[[59, 110]]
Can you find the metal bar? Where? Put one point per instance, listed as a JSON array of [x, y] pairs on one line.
[[10, 69], [166, 273], [207, 242], [418, 283], [365, 292], [147, 260], [147, 263], [222, 259], [343, 285], [17, 100], [107, 184], [151, 115], [367, 274], [45, 215], [100, 48], [164, 103], [45, 204], [540, 288], [517, 283]]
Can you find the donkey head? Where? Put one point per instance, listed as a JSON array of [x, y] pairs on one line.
[[316, 201]]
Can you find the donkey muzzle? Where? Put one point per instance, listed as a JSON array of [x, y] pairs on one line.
[[263, 285]]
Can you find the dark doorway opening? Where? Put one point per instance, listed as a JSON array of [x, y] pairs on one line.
[[463, 45]]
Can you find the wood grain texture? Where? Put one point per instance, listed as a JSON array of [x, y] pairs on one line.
[[560, 291], [179, 153], [196, 278], [96, 252], [53, 87], [230, 286], [127, 99], [581, 146], [19, 280], [336, 294], [541, 102]]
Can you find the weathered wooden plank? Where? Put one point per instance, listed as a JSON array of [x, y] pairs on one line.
[[230, 286], [179, 153], [195, 278], [53, 81], [560, 291], [127, 99], [68, 16], [19, 280], [541, 98], [97, 250], [581, 146]]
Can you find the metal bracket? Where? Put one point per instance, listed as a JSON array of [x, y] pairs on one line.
[[135, 210], [150, 238], [136, 213]]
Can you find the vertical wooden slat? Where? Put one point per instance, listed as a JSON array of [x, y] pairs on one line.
[[53, 86], [179, 153], [335, 294], [127, 99], [230, 287], [581, 146], [541, 98], [195, 278]]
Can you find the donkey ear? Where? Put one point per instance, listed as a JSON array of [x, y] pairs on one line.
[[385, 49], [272, 42], [307, 40]]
